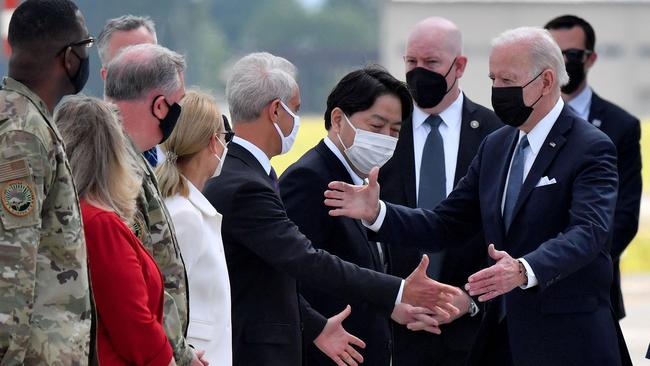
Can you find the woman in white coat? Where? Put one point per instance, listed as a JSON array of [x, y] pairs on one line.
[[194, 153]]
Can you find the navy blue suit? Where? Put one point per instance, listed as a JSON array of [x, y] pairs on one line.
[[561, 229], [625, 132], [301, 187], [266, 254], [397, 180]]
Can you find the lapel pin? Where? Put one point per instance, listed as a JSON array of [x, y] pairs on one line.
[[552, 144], [596, 122], [474, 124]]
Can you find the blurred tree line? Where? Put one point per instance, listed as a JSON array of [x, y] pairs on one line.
[[323, 41]]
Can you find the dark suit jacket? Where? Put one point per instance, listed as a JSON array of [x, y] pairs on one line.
[[561, 229], [625, 132], [397, 180], [301, 187], [266, 254]]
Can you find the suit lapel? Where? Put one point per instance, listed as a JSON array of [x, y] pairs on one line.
[[469, 138], [597, 111], [336, 171], [502, 174], [405, 155], [239, 152], [549, 150]]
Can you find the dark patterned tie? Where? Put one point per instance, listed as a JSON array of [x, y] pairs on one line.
[[274, 179], [515, 181], [433, 183]]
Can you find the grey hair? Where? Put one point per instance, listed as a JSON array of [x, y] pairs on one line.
[[124, 23], [256, 80], [101, 157], [141, 68], [543, 50]]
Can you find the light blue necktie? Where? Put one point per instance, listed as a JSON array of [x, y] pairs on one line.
[[433, 183], [515, 181]]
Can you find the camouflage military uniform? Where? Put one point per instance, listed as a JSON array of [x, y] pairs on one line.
[[44, 294], [153, 226]]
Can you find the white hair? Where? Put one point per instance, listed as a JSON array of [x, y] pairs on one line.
[[141, 68], [256, 80], [544, 53]]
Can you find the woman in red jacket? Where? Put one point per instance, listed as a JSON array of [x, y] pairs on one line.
[[126, 283]]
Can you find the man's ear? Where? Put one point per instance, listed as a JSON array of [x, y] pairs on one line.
[[591, 60], [70, 61], [336, 117], [461, 64], [548, 78], [160, 107], [273, 111], [102, 73]]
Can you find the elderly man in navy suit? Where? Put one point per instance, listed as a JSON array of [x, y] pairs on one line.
[[543, 190], [577, 41]]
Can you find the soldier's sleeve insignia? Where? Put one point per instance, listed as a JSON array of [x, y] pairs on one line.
[[18, 197]]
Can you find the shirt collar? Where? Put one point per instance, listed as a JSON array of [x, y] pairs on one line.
[[538, 134], [199, 201], [451, 116], [15, 86], [355, 178], [582, 102], [256, 151]]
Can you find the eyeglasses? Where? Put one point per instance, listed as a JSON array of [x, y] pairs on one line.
[[228, 135], [87, 43], [575, 54]]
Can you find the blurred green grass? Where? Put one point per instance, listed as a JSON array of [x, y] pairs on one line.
[[635, 259]]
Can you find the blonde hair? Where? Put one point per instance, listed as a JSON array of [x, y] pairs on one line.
[[100, 155], [200, 119]]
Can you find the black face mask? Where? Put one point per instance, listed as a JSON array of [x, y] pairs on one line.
[[576, 71], [428, 87], [80, 78], [509, 106], [168, 123]]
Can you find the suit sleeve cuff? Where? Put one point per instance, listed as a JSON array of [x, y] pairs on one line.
[[375, 226], [398, 300], [532, 279]]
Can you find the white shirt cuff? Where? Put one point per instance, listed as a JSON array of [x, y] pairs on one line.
[[375, 226], [532, 279], [398, 300]]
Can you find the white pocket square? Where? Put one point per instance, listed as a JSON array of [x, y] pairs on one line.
[[544, 181]]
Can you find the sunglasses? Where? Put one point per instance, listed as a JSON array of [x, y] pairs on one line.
[[575, 54], [228, 135]]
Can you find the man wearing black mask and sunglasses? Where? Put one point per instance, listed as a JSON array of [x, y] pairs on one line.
[[577, 39]]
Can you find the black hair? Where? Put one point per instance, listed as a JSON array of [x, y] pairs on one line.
[[570, 21], [36, 24], [359, 90]]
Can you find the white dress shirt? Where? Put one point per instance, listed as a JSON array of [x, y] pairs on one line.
[[198, 230], [581, 103], [449, 130], [536, 138]]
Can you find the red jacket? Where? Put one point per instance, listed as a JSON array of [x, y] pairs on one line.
[[128, 292]]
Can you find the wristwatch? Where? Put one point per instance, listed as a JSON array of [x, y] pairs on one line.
[[473, 308]]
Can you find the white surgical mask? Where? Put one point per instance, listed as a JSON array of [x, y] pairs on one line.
[[287, 141], [369, 149], [221, 159]]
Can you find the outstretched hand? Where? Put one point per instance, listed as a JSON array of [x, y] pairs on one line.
[[357, 202], [420, 290], [499, 279], [335, 342]]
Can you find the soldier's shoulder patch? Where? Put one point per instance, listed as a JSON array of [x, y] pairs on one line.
[[13, 170], [18, 197], [138, 227]]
